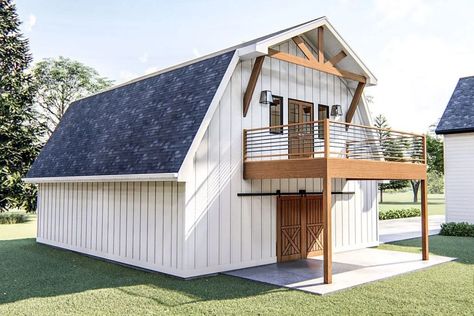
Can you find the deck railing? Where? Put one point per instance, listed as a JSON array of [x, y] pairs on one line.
[[332, 139]]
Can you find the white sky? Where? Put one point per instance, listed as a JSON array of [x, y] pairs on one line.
[[416, 48]]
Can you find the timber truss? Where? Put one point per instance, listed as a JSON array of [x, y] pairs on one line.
[[310, 61]]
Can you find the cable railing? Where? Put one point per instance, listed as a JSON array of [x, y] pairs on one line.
[[332, 139]]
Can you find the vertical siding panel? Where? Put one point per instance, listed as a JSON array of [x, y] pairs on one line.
[[94, 216], [246, 211], [159, 223], [105, 218], [236, 165], [136, 214], [181, 194], [190, 217], [122, 229], [151, 220], [129, 219], [144, 216], [167, 209], [100, 216], [225, 175], [201, 252], [266, 221], [174, 224], [116, 213], [213, 187]]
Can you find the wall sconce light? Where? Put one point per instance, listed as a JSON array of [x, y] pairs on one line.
[[336, 110], [266, 97]]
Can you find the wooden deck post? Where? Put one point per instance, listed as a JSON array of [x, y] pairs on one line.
[[327, 231], [424, 220]]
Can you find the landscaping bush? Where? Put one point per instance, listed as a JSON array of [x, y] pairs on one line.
[[435, 182], [399, 213], [457, 229], [12, 218]]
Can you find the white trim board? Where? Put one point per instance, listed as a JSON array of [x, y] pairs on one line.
[[108, 178]]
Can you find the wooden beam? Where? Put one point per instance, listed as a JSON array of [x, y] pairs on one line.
[[334, 60], [302, 46], [424, 220], [315, 65], [321, 44], [327, 229], [257, 68], [354, 102]]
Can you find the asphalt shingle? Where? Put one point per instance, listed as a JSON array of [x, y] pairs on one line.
[[458, 117], [143, 127]]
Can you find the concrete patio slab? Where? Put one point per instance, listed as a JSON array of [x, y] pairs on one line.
[[406, 228], [350, 269]]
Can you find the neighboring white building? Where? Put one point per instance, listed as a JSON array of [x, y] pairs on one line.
[[167, 173], [457, 127]]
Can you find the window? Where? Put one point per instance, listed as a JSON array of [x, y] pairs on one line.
[[323, 113], [276, 115]]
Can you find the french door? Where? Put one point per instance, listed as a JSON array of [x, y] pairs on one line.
[[301, 136]]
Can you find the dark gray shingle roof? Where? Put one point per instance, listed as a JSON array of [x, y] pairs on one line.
[[143, 127], [459, 114]]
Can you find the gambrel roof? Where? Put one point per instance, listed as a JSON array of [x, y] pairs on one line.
[[149, 128], [458, 117]]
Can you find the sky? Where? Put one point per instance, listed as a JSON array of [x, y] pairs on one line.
[[417, 49]]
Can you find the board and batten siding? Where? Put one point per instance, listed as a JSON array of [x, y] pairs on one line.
[[136, 223], [459, 177], [224, 231]]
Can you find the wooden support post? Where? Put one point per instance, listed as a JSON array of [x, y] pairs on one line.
[[424, 220], [354, 102], [327, 145], [257, 68], [321, 44], [327, 229]]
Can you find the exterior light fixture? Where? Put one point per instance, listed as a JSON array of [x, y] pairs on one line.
[[266, 97], [336, 110]]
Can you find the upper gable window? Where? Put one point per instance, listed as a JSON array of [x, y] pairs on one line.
[[276, 115]]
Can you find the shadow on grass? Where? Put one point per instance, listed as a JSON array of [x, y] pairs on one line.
[[461, 248], [32, 270]]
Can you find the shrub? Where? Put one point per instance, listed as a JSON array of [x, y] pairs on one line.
[[399, 213], [12, 218], [435, 182], [457, 229]]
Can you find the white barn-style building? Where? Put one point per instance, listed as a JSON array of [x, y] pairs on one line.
[[223, 162], [457, 127]]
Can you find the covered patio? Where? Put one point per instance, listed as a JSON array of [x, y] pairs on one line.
[[351, 268]]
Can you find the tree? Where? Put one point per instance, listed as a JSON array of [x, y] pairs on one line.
[[388, 149], [18, 134], [59, 82], [434, 152]]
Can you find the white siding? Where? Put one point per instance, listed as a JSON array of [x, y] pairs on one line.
[[136, 223], [224, 231], [459, 177]]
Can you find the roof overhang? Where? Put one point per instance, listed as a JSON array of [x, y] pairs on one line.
[[108, 178], [333, 43]]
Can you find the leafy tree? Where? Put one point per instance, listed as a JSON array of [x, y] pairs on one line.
[[59, 82], [389, 149], [435, 156], [18, 134]]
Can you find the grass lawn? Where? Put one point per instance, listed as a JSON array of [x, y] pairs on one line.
[[397, 200], [40, 280]]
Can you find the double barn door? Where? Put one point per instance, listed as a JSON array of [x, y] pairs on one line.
[[299, 227]]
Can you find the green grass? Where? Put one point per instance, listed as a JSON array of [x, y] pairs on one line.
[[41, 280], [398, 200]]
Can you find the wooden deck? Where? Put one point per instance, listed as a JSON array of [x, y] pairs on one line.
[[328, 148]]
